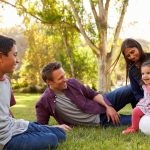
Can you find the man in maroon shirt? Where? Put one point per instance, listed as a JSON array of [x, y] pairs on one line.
[[70, 102]]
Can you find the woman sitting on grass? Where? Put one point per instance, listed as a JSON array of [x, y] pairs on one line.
[[134, 57]]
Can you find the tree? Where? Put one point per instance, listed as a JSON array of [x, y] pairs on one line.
[[71, 15], [99, 24], [51, 13], [39, 52]]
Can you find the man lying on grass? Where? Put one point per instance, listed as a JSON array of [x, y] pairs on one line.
[[70, 102]]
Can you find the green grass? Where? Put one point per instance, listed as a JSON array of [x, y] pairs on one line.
[[85, 138]]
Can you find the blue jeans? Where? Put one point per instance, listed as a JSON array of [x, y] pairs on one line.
[[119, 98], [37, 137]]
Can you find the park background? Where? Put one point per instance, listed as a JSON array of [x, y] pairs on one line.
[[86, 39]]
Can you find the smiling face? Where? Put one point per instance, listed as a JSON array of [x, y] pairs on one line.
[[58, 82], [145, 71], [8, 62], [132, 54]]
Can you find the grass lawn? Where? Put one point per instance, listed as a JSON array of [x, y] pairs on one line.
[[85, 138]]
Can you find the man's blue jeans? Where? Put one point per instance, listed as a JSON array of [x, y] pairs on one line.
[[37, 137], [119, 98]]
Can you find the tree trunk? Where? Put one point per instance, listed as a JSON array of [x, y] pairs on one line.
[[102, 78]]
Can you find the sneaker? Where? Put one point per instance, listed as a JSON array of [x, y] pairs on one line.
[[128, 130]]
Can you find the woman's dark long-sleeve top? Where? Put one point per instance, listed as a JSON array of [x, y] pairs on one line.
[[135, 79]]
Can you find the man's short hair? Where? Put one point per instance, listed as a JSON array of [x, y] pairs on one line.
[[6, 44], [48, 69]]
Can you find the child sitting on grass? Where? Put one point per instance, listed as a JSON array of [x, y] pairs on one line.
[[18, 134], [143, 106]]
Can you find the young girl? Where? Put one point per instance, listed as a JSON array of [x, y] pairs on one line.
[[143, 106]]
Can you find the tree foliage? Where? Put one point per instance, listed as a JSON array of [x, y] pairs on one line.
[[45, 47], [73, 16]]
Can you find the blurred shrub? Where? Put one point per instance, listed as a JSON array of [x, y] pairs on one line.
[[31, 89]]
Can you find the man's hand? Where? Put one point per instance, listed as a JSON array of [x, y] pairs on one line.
[[113, 115], [64, 126], [110, 111]]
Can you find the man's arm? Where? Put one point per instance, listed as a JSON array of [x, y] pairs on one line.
[[91, 94], [87, 91], [42, 114], [110, 111]]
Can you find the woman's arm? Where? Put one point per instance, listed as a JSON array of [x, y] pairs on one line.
[[135, 84]]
